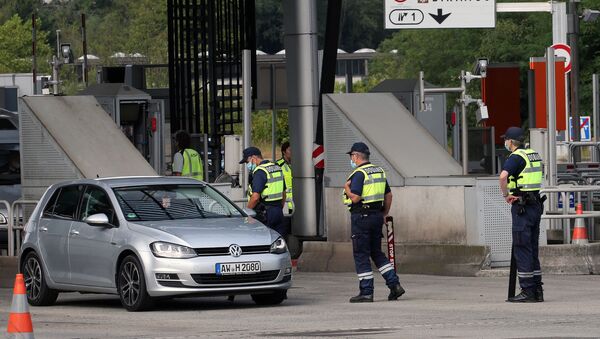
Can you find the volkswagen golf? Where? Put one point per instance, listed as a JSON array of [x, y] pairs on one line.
[[146, 238]]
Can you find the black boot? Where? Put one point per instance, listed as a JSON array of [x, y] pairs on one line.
[[362, 298], [523, 297], [396, 292], [539, 294]]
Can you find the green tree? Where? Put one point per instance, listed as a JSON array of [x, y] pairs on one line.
[[16, 46]]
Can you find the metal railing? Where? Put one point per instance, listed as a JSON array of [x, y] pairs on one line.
[[8, 218], [16, 224], [566, 214]]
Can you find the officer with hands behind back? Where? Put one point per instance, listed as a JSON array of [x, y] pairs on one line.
[[520, 184], [368, 196]]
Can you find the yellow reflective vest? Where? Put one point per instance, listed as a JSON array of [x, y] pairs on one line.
[[274, 187], [530, 179], [287, 177], [373, 185], [192, 165]]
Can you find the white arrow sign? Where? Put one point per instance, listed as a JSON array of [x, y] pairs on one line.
[[401, 14]]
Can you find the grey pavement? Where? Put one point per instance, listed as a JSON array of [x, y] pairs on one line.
[[433, 307]]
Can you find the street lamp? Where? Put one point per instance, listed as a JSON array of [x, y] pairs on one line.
[[590, 15]]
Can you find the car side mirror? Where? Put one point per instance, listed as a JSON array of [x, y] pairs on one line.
[[250, 212], [99, 219]]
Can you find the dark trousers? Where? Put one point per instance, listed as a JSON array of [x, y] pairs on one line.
[[366, 244], [526, 234], [273, 218]]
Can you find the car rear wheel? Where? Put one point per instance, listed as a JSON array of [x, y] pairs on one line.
[[38, 292], [273, 298], [132, 285]]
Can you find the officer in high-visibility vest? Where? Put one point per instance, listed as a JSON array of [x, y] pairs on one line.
[[186, 161], [286, 166], [267, 191], [369, 198], [520, 183]]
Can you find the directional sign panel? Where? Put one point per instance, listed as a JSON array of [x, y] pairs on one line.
[[401, 14]]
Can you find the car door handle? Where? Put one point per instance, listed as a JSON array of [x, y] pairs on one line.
[[74, 233], [43, 229]]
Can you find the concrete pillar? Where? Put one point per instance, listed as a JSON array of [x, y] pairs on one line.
[[300, 26]]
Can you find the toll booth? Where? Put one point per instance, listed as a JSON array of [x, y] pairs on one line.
[[139, 117], [433, 118]]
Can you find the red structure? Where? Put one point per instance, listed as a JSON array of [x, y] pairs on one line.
[[538, 65], [500, 91]]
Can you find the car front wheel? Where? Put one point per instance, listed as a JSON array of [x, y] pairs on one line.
[[38, 292], [132, 285], [272, 298]]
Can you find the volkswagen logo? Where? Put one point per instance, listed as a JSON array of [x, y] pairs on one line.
[[235, 250]]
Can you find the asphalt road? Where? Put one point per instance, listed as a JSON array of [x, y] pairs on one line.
[[433, 307]]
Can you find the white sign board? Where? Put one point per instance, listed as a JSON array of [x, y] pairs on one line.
[[401, 14]]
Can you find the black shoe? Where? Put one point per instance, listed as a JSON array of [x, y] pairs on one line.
[[362, 298], [396, 292], [523, 297], [539, 294]]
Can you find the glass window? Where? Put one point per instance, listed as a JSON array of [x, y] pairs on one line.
[[66, 204], [49, 209], [171, 202], [95, 200]]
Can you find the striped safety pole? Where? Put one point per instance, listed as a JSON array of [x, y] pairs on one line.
[[389, 225]]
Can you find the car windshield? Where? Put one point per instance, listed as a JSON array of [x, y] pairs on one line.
[[171, 202]]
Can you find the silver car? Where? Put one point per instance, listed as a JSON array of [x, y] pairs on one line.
[[149, 237]]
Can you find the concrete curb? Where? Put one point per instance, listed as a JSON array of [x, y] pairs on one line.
[[8, 270], [436, 259], [570, 259]]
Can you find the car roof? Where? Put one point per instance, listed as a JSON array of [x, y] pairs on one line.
[[115, 182]]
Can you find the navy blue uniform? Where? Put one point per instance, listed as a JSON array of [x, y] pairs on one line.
[[273, 216], [525, 232], [366, 240]]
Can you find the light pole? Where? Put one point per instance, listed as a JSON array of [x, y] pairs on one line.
[[572, 37]]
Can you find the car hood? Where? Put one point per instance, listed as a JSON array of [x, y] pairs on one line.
[[200, 233]]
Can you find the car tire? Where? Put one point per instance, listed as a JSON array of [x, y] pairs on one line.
[[38, 292], [273, 298], [131, 285]]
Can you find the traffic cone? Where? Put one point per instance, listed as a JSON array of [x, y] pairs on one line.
[[580, 231], [19, 319]]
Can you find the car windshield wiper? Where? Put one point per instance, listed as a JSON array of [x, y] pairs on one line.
[[158, 204]]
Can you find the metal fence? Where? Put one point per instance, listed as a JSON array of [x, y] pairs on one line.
[[17, 216], [565, 214]]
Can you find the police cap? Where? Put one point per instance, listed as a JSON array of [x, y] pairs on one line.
[[359, 147], [248, 152], [514, 133]]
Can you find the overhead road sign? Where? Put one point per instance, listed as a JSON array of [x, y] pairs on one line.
[[402, 14]]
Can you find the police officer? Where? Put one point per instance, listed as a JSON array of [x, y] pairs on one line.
[[286, 166], [520, 183], [266, 193], [186, 161], [369, 198]]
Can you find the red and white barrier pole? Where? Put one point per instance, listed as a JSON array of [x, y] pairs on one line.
[[389, 225]]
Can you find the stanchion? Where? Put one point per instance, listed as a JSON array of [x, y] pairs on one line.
[[389, 225]]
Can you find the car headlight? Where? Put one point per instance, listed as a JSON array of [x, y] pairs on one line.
[[278, 246], [3, 220], [168, 250]]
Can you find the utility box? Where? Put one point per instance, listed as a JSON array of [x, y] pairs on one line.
[[433, 118], [141, 119]]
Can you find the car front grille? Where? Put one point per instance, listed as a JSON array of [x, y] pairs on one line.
[[214, 251], [235, 279]]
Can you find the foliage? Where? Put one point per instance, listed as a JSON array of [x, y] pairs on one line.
[[16, 46], [361, 24], [141, 27]]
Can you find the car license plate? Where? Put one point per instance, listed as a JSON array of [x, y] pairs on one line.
[[238, 268]]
